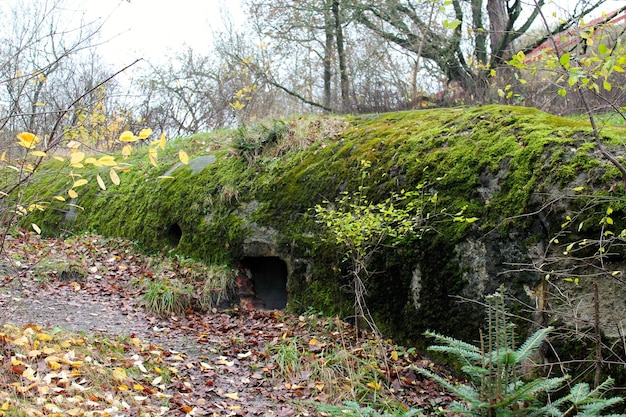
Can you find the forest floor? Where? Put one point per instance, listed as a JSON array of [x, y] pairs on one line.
[[77, 341]]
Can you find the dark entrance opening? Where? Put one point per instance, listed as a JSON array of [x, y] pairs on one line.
[[269, 275], [174, 234]]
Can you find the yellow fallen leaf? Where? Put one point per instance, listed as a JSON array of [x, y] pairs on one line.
[[76, 364], [313, 342], [225, 362], [394, 355], [21, 341], [375, 385], [138, 387], [33, 353], [119, 374], [53, 364], [232, 396], [29, 374], [127, 151], [52, 407], [72, 193]]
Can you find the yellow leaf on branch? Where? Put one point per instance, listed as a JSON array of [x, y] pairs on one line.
[[101, 182], [145, 133], [107, 160], [115, 179], [162, 141], [184, 158], [152, 156], [28, 140], [79, 183], [76, 157], [128, 136]]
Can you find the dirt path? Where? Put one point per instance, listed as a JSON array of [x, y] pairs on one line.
[[231, 362]]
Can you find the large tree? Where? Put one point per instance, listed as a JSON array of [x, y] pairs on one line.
[[314, 51], [464, 39]]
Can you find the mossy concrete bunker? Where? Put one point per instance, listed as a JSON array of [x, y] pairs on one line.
[[251, 202]]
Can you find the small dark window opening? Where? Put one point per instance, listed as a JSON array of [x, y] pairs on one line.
[[174, 234], [269, 275]]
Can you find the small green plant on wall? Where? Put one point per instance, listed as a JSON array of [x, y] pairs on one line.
[[361, 228]]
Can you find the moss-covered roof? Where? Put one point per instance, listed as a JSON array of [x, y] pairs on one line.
[[489, 162]]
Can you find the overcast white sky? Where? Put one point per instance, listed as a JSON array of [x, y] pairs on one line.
[[149, 28]]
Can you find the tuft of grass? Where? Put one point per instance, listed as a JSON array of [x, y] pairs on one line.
[[341, 371], [181, 284], [167, 296], [218, 285]]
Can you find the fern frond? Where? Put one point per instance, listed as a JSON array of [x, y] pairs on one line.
[[603, 387], [597, 405], [529, 390], [451, 341], [460, 352], [531, 344], [463, 391]]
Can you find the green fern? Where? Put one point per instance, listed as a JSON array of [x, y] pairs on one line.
[[496, 383]]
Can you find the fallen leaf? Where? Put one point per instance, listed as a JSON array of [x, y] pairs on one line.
[[232, 396]]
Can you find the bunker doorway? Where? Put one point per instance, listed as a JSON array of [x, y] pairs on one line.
[[269, 275]]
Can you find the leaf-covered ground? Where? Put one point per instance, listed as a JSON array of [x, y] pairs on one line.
[[76, 341]]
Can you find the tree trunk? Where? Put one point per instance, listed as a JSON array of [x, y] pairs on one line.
[[328, 56], [343, 70], [498, 21]]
